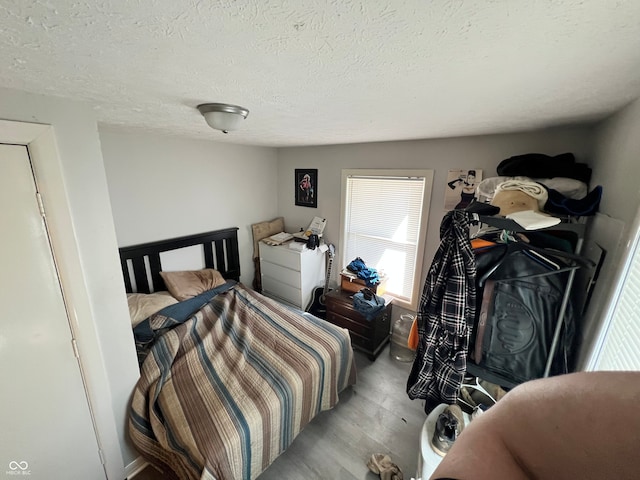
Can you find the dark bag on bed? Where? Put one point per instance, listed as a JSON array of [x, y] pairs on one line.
[[367, 303]]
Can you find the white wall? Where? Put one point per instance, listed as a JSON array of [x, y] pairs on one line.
[[165, 187], [616, 166], [617, 163], [441, 155], [78, 211]]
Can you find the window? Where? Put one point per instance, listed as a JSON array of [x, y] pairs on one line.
[[384, 218]]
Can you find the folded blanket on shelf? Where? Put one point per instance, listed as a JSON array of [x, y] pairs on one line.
[[568, 187]]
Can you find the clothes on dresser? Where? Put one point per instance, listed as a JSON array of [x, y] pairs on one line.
[[446, 312], [368, 274]]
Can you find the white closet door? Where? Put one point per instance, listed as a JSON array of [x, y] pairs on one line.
[[46, 430]]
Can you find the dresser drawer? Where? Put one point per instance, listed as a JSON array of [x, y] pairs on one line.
[[349, 324], [273, 287], [346, 310], [283, 274], [280, 255], [364, 343]]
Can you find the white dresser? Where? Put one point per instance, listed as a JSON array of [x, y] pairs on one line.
[[290, 276]]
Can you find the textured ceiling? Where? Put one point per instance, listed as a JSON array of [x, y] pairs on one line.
[[317, 72]]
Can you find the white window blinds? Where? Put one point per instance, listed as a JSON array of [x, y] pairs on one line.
[[384, 223]]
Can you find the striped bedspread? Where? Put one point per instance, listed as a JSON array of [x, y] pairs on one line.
[[224, 393]]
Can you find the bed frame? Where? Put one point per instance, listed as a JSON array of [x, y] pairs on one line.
[[220, 248]]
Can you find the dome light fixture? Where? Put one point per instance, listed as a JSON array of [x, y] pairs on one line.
[[222, 116]]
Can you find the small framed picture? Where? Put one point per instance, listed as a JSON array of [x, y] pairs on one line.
[[307, 187]]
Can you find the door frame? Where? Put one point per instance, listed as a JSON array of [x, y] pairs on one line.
[[41, 144]]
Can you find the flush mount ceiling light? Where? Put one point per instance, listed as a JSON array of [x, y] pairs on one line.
[[223, 116]]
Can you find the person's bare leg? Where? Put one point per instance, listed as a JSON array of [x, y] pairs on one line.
[[583, 425]]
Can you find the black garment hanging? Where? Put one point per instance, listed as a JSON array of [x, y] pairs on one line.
[[521, 289]]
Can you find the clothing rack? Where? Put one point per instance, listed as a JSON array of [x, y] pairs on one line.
[[568, 225]]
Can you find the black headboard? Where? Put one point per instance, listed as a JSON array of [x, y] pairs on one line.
[[220, 249]]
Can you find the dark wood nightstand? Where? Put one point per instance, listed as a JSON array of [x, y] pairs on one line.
[[368, 336]]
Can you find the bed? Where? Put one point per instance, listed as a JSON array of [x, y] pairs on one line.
[[228, 376]]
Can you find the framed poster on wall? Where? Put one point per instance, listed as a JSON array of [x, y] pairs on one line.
[[461, 188], [306, 185]]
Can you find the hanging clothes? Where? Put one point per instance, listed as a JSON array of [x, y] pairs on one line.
[[445, 316]]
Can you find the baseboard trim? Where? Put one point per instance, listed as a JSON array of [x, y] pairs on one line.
[[135, 467]]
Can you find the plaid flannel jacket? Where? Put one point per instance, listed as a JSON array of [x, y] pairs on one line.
[[446, 314]]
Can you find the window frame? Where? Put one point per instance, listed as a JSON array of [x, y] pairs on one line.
[[428, 176]]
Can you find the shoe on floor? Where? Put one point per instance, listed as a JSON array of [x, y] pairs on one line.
[[382, 465], [496, 391], [449, 426]]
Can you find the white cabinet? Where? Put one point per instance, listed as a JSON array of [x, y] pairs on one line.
[[289, 275]]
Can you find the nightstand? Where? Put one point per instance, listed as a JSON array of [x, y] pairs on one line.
[[367, 336]]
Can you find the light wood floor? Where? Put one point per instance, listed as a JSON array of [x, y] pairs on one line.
[[373, 416]]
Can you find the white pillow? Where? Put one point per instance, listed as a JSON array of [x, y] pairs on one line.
[[143, 305]]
